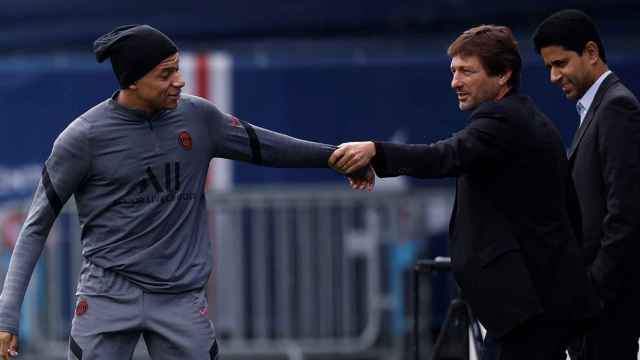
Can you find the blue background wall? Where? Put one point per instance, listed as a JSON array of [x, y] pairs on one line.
[[35, 25], [329, 71], [330, 97]]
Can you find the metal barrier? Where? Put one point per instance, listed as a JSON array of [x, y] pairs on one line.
[[300, 272], [296, 272]]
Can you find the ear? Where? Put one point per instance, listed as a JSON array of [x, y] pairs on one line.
[[133, 87], [503, 78], [592, 52]]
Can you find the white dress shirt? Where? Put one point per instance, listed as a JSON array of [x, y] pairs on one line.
[[583, 105]]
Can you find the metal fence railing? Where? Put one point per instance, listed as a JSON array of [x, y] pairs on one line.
[[297, 272]]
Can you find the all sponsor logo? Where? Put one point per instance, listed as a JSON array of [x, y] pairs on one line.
[[166, 186], [171, 179]]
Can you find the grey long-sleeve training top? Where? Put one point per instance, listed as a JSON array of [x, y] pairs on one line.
[[139, 185]]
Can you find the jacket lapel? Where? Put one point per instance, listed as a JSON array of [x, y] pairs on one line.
[[604, 87]]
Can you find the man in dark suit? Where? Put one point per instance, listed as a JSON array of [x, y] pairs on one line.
[[512, 246], [605, 165]]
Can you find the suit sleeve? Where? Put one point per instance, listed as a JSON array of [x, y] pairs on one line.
[[64, 170], [485, 142], [619, 148], [235, 139]]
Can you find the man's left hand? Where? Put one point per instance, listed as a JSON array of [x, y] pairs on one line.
[[363, 182]]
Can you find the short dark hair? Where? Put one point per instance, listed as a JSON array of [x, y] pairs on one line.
[[571, 29], [496, 48]]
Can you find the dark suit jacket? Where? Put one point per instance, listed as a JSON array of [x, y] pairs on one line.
[[605, 166], [512, 247]]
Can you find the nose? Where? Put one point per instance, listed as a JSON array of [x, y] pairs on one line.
[[178, 81], [455, 82]]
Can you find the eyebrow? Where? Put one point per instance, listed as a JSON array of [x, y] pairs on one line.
[[556, 62], [460, 67], [169, 63], [168, 67]]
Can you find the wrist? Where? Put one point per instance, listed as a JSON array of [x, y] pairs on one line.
[[372, 148]]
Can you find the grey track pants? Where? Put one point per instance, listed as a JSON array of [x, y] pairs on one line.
[[112, 314]]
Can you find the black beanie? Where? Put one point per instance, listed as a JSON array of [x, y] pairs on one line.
[[134, 51]]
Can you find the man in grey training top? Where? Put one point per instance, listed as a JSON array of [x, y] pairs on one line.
[[136, 164]]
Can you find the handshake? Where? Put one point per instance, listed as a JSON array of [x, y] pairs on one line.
[[353, 160]]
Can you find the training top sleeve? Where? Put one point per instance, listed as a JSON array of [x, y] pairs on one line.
[[235, 139], [64, 171]]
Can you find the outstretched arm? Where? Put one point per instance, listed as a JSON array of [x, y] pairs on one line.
[[244, 141], [234, 139], [275, 149], [484, 142]]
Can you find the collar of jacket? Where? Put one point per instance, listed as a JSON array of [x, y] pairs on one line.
[[133, 114], [608, 82]]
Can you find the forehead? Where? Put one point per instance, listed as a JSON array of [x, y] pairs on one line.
[[468, 61], [170, 62], [555, 52]]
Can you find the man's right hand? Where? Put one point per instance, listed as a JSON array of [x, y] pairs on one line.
[[8, 345], [349, 157]]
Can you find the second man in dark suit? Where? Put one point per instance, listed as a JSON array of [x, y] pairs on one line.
[[605, 165], [512, 246]]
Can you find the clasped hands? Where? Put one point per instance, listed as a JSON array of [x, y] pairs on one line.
[[352, 160]]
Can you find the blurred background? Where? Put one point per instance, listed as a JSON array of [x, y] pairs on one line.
[[303, 267]]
